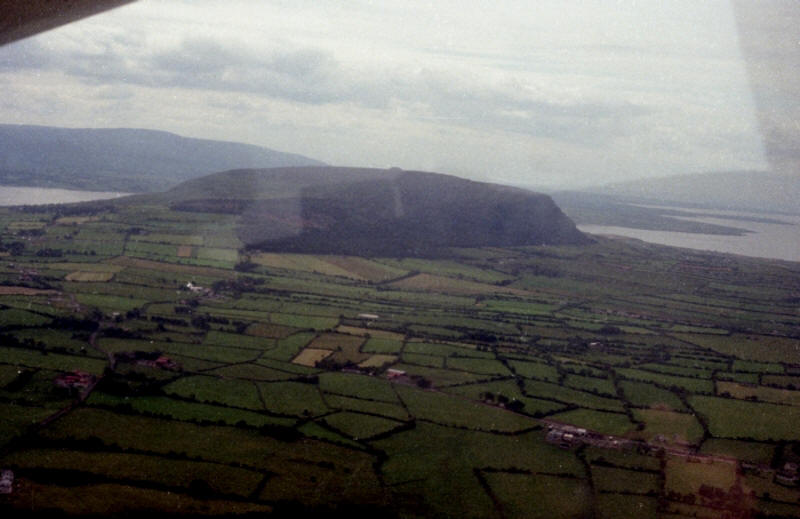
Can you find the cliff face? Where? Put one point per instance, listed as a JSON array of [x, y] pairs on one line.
[[375, 212]]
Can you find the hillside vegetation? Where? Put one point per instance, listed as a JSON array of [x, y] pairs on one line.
[[372, 211]]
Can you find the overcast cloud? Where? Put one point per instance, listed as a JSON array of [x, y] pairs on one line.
[[547, 93]]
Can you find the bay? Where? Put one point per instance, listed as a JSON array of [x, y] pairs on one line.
[[764, 240], [14, 195]]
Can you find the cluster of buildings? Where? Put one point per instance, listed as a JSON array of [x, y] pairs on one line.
[[568, 436], [74, 380], [6, 481], [149, 359], [565, 436], [788, 475], [399, 376], [394, 374], [197, 289], [161, 362]]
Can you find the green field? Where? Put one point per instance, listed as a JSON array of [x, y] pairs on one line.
[[742, 450], [729, 418], [648, 395], [539, 496], [671, 426], [410, 387]]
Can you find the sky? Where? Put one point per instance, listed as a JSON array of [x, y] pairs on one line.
[[545, 93]]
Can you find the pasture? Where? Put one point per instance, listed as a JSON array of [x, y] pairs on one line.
[[274, 384]]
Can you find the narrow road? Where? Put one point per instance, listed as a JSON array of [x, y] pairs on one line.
[[88, 390]]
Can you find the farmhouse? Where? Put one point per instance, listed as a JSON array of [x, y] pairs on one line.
[[395, 373], [368, 316], [195, 289], [565, 436], [162, 362], [149, 359], [6, 481], [74, 380]]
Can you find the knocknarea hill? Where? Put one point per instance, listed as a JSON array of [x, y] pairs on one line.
[[356, 211]]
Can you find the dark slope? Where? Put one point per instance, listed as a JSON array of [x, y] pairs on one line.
[[374, 212], [121, 159]]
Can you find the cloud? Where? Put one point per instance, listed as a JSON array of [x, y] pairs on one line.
[[565, 90], [28, 54], [313, 76], [304, 75]]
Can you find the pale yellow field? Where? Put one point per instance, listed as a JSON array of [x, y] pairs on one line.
[[310, 356], [331, 341], [303, 262], [273, 331], [86, 267], [345, 266], [23, 291], [767, 394], [76, 220], [177, 239], [184, 251], [376, 361], [686, 477], [365, 268], [382, 334], [23, 225]]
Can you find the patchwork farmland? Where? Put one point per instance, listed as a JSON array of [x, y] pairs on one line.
[[160, 366]]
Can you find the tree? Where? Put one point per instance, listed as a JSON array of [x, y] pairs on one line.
[[610, 330], [423, 382], [516, 405]]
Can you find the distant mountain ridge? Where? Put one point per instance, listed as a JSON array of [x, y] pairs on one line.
[[732, 190], [366, 212], [122, 159]]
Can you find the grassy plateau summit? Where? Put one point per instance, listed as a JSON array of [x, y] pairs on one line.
[[356, 211]]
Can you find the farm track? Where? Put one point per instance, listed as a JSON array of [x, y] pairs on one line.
[[84, 395]]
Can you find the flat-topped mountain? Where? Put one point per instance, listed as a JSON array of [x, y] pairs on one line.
[[121, 159], [373, 211]]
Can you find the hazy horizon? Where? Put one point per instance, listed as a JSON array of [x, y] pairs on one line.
[[553, 95]]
